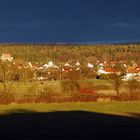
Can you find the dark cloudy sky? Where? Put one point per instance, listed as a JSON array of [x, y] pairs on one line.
[[69, 21]]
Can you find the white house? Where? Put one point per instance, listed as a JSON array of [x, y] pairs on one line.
[[67, 65], [89, 65], [50, 65], [99, 72], [77, 63], [132, 72]]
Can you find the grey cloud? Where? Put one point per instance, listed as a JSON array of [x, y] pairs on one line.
[[124, 24]]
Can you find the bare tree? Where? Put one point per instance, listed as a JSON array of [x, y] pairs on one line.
[[5, 76], [116, 82]]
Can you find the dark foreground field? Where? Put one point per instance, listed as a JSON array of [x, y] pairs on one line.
[[28, 125]]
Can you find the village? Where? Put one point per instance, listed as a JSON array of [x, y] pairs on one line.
[[51, 71]]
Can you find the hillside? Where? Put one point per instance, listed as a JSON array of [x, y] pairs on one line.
[[61, 53]]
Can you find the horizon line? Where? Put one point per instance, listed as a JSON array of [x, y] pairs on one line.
[[72, 43]]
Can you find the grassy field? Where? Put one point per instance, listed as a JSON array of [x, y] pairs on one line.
[[114, 120], [30, 91], [116, 108], [23, 87]]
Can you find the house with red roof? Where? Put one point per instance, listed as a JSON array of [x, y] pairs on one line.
[[109, 70], [132, 72]]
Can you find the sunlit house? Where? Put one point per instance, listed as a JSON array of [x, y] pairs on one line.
[[6, 57], [133, 72]]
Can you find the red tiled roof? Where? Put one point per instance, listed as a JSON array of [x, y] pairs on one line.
[[133, 69], [111, 70]]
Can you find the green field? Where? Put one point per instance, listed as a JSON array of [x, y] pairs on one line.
[[31, 88], [74, 120], [23, 87], [29, 92], [116, 108]]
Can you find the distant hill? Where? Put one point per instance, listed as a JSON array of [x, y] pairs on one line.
[[61, 53]]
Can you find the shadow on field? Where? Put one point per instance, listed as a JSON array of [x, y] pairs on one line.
[[28, 125]]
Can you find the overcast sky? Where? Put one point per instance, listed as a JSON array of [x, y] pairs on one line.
[[69, 21]]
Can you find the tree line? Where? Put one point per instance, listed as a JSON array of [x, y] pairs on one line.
[[62, 53]]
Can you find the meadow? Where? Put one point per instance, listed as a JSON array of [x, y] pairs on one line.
[[123, 108], [86, 90], [113, 120]]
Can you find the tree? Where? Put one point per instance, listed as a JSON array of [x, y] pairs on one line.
[[116, 82], [5, 76], [134, 87]]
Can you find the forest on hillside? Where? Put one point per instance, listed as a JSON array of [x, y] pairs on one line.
[[62, 53]]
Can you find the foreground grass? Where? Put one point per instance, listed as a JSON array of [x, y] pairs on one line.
[[117, 108]]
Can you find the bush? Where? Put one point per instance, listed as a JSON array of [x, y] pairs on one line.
[[106, 76], [88, 87], [70, 82], [134, 89], [102, 87], [8, 96], [45, 95], [88, 72], [70, 86], [33, 89], [71, 75]]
